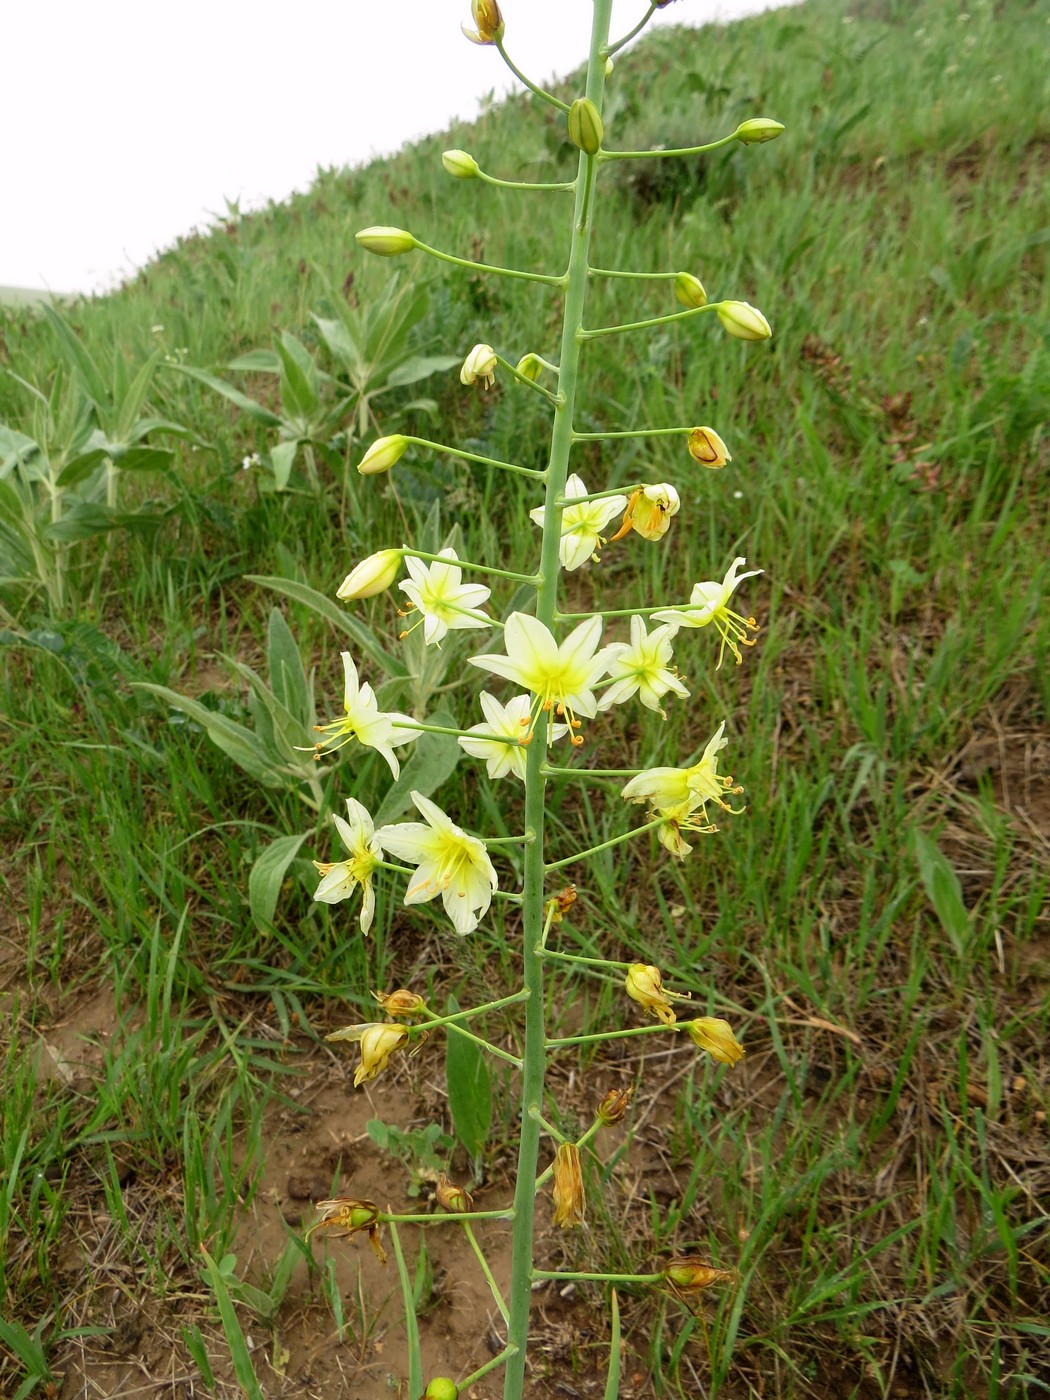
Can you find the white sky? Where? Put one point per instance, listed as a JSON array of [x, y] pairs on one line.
[[129, 122]]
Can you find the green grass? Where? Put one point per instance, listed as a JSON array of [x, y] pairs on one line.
[[876, 1170]]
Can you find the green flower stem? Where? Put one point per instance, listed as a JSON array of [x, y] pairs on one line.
[[548, 1128], [587, 962], [596, 772], [540, 92], [497, 1360], [533, 913], [484, 1263], [455, 1016], [525, 839], [610, 49], [467, 563], [598, 1278], [628, 612], [546, 278], [653, 321], [654, 1029], [485, 462], [635, 432], [605, 845], [523, 184], [681, 151], [604, 495], [524, 379], [632, 276], [452, 1218], [500, 1054], [416, 724]]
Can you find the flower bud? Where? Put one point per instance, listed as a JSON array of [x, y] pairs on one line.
[[441, 1388], [454, 1198], [387, 242], [489, 21], [689, 290], [401, 1003], [585, 126], [614, 1105], [480, 364], [758, 129], [460, 164], [715, 1036], [384, 453], [645, 985], [743, 321], [531, 366], [373, 575], [688, 1274], [568, 1186], [609, 66], [707, 448]]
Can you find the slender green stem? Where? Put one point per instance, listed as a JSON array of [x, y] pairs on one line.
[[602, 495], [610, 49], [606, 845], [524, 184], [455, 1016], [467, 563], [540, 92], [598, 1278], [533, 912], [653, 321], [680, 151], [484, 1263], [629, 612], [422, 728], [548, 1128], [587, 962], [632, 276], [596, 772], [497, 1360], [632, 433], [452, 1218], [499, 1053], [546, 278], [485, 462], [524, 379], [654, 1029], [415, 1364]]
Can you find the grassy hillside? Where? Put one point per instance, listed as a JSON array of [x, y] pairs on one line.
[[877, 1171]]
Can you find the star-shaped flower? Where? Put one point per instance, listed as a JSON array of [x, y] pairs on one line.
[[449, 863], [642, 669], [445, 602], [340, 878], [708, 603], [581, 525], [560, 677], [512, 720], [364, 721], [679, 794]]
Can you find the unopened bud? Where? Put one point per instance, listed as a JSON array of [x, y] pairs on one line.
[[401, 1003], [568, 1186], [387, 242], [645, 986], [716, 1036], [707, 448], [585, 126], [454, 1198], [687, 1274], [489, 21], [480, 365], [461, 164], [373, 575], [441, 1388], [530, 366], [689, 291], [384, 453], [743, 321], [614, 1105], [609, 66], [758, 129]]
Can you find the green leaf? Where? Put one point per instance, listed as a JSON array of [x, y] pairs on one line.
[[287, 676], [134, 396], [145, 459], [74, 353], [282, 455], [231, 392], [469, 1088], [257, 362], [298, 374], [81, 522], [433, 758], [418, 367], [234, 739], [79, 468], [344, 621], [239, 1353], [943, 890]]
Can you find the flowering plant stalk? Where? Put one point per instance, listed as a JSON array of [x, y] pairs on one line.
[[562, 670]]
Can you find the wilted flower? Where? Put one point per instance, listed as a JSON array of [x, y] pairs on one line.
[[715, 1036], [378, 1041], [365, 721], [340, 878], [707, 448], [480, 364], [449, 863], [708, 603], [649, 512], [489, 21], [743, 321], [688, 1274], [643, 669], [452, 1197], [387, 242], [384, 453], [614, 1105], [401, 1002], [689, 291], [446, 603], [581, 524], [568, 1186], [373, 575], [645, 986], [347, 1215]]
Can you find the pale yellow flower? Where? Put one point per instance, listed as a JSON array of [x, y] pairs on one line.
[[449, 863], [340, 878], [643, 668], [581, 524], [444, 601], [709, 603]]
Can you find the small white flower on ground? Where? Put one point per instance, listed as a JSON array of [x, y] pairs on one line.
[[581, 525], [340, 878], [449, 863], [365, 722], [644, 669], [512, 721], [446, 604]]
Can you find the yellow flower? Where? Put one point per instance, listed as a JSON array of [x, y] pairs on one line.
[[449, 863], [364, 721], [378, 1041], [340, 878], [678, 794], [373, 575], [715, 1036], [743, 321], [649, 512], [707, 448], [445, 603], [709, 603], [387, 242], [645, 986], [642, 668], [489, 23], [480, 364], [568, 1186], [461, 164], [581, 524], [384, 453]]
